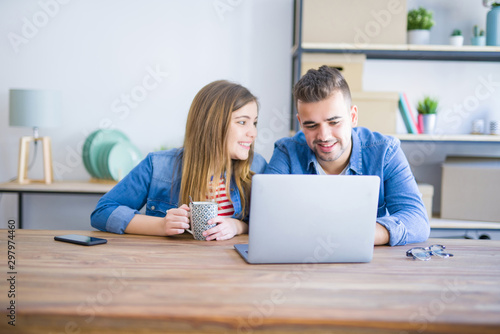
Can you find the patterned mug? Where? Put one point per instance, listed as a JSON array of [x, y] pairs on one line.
[[200, 214], [495, 127]]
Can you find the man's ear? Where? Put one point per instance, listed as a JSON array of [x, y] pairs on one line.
[[298, 119], [353, 115]]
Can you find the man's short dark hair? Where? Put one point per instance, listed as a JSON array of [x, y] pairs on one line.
[[318, 85]]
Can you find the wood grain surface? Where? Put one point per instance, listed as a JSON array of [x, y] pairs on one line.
[[141, 284]]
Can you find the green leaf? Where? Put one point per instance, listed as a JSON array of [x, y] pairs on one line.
[[427, 106], [420, 18]]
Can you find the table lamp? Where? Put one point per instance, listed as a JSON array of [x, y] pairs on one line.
[[34, 108]]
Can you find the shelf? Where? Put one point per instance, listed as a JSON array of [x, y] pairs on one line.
[[448, 138], [439, 223], [407, 51], [58, 187]]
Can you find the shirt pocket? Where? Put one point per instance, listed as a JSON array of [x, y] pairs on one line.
[[157, 208]]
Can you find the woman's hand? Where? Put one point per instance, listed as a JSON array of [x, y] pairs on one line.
[[226, 228], [176, 220]]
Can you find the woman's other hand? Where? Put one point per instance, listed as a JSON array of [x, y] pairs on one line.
[[226, 228]]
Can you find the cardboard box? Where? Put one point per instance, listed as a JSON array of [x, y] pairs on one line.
[[471, 188], [354, 21], [349, 64], [427, 191], [377, 111]]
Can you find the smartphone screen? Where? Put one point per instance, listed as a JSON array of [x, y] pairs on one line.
[[80, 239]]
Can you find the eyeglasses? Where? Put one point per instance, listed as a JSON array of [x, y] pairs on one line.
[[424, 253]]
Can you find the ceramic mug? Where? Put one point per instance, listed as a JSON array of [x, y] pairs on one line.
[[478, 126], [495, 127], [200, 213]]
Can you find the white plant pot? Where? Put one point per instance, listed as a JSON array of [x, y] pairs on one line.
[[418, 36], [478, 40], [457, 40], [428, 123]]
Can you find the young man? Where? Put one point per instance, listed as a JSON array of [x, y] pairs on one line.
[[330, 143]]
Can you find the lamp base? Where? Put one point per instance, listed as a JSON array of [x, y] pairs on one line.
[[22, 173]]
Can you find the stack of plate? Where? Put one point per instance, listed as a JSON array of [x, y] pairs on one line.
[[109, 155]]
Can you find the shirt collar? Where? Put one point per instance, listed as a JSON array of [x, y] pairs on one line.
[[312, 162], [356, 161]]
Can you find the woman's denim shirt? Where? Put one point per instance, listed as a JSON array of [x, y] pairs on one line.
[[152, 183], [400, 207]]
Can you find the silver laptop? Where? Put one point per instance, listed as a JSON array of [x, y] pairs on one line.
[[311, 219]]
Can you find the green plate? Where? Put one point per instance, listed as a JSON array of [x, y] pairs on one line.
[[102, 163], [86, 154], [122, 158], [96, 145]]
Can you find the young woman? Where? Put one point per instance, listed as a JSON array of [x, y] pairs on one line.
[[216, 163]]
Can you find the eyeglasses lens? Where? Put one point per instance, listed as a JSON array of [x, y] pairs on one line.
[[439, 251], [421, 254], [442, 254], [437, 248]]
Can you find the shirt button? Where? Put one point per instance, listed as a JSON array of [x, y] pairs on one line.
[[232, 189], [153, 207]]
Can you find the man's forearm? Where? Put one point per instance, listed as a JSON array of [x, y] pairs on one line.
[[381, 235]]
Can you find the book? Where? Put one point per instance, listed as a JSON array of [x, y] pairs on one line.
[[408, 105], [407, 117]]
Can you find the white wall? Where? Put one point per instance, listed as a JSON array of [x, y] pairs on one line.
[[96, 51]]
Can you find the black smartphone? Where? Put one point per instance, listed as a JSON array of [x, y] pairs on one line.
[[80, 239]]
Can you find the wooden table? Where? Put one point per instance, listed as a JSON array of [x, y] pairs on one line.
[[140, 284], [57, 187]]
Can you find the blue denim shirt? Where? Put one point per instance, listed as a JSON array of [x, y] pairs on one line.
[[400, 207], [151, 183]]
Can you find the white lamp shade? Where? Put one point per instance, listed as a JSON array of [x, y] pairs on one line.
[[35, 108]]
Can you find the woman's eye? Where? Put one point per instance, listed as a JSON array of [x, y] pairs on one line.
[[241, 122]]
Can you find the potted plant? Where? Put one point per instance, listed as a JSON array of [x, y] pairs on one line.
[[478, 37], [427, 111], [493, 22], [419, 24], [456, 38]]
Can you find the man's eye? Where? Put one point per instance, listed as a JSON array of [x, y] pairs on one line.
[[334, 122], [311, 126]]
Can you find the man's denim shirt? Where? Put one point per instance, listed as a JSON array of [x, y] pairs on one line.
[[152, 183], [400, 207]]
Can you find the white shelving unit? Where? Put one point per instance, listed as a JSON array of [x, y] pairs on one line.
[[407, 51], [449, 228], [402, 52], [381, 51], [448, 138]]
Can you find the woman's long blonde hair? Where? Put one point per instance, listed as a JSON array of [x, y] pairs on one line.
[[206, 156]]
